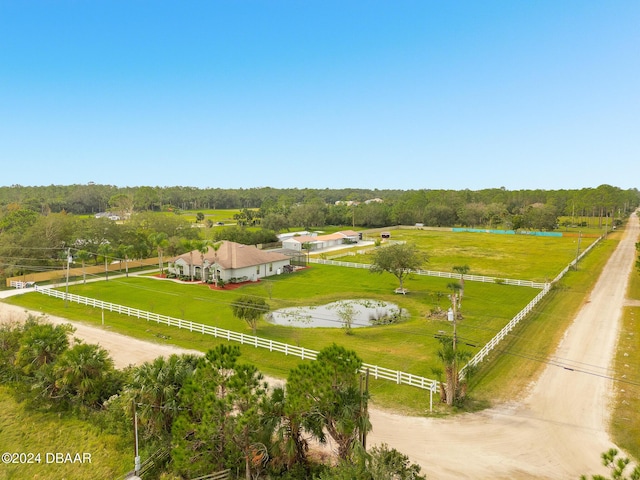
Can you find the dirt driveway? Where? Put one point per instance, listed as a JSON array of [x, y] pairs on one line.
[[558, 432]]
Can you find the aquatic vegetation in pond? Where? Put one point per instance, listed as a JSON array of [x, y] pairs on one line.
[[341, 314]]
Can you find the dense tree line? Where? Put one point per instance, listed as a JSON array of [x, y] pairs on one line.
[[211, 412], [441, 207], [39, 225]]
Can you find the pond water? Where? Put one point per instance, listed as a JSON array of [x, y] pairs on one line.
[[363, 313]]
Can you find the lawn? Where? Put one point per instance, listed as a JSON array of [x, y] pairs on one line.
[[408, 346], [215, 215], [522, 257]]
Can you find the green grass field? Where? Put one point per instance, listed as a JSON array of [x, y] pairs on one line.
[[521, 257], [519, 360], [409, 346], [26, 431], [625, 419], [215, 215]]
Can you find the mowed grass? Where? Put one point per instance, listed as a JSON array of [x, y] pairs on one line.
[[625, 420], [518, 361], [26, 431], [215, 215], [409, 346], [522, 257]]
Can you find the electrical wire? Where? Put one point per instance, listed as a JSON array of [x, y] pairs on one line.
[[567, 364]]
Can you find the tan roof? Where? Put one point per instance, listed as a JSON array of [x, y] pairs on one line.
[[233, 255], [324, 238]]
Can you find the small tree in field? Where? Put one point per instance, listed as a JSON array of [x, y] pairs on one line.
[[250, 309], [346, 312], [398, 259]]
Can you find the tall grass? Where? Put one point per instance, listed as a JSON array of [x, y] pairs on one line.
[[625, 420], [26, 431]]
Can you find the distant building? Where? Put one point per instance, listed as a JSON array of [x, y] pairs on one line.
[[109, 215], [320, 242]]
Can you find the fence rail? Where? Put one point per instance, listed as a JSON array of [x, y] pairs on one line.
[[222, 475], [399, 377], [484, 351], [432, 273], [273, 346]]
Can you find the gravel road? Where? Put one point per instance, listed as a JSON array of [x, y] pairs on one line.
[[557, 432]]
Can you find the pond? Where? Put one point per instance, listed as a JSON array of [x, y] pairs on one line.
[[363, 313]]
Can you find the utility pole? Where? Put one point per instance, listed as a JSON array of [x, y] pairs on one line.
[[454, 377], [364, 409], [135, 434], [66, 296]]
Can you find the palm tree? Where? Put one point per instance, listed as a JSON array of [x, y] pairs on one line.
[[451, 358], [307, 246], [105, 250], [216, 246], [155, 385], [82, 374], [40, 345], [160, 241], [125, 251], [83, 256], [462, 270], [189, 246], [203, 247]]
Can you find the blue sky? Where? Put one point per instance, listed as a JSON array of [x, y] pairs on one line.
[[321, 94]]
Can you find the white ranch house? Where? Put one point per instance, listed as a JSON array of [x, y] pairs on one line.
[[321, 242], [233, 262]]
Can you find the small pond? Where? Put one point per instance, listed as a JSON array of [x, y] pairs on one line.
[[363, 313]]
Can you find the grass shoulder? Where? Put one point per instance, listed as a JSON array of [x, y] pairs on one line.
[[625, 421], [511, 369], [48, 435]]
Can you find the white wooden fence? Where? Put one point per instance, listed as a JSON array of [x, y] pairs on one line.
[[484, 351], [432, 273], [376, 371], [401, 378]]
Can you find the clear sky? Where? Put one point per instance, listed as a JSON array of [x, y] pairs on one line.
[[321, 94]]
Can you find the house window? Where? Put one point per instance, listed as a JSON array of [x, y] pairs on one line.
[[271, 267], [258, 269]]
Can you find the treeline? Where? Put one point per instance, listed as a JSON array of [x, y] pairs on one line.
[[210, 412], [41, 226], [431, 207]]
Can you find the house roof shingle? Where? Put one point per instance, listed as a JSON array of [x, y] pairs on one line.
[[233, 255]]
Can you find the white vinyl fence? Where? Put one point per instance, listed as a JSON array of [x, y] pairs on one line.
[[432, 273], [484, 351], [377, 372], [401, 378]]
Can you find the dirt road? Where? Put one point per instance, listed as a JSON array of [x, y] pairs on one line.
[[558, 432]]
